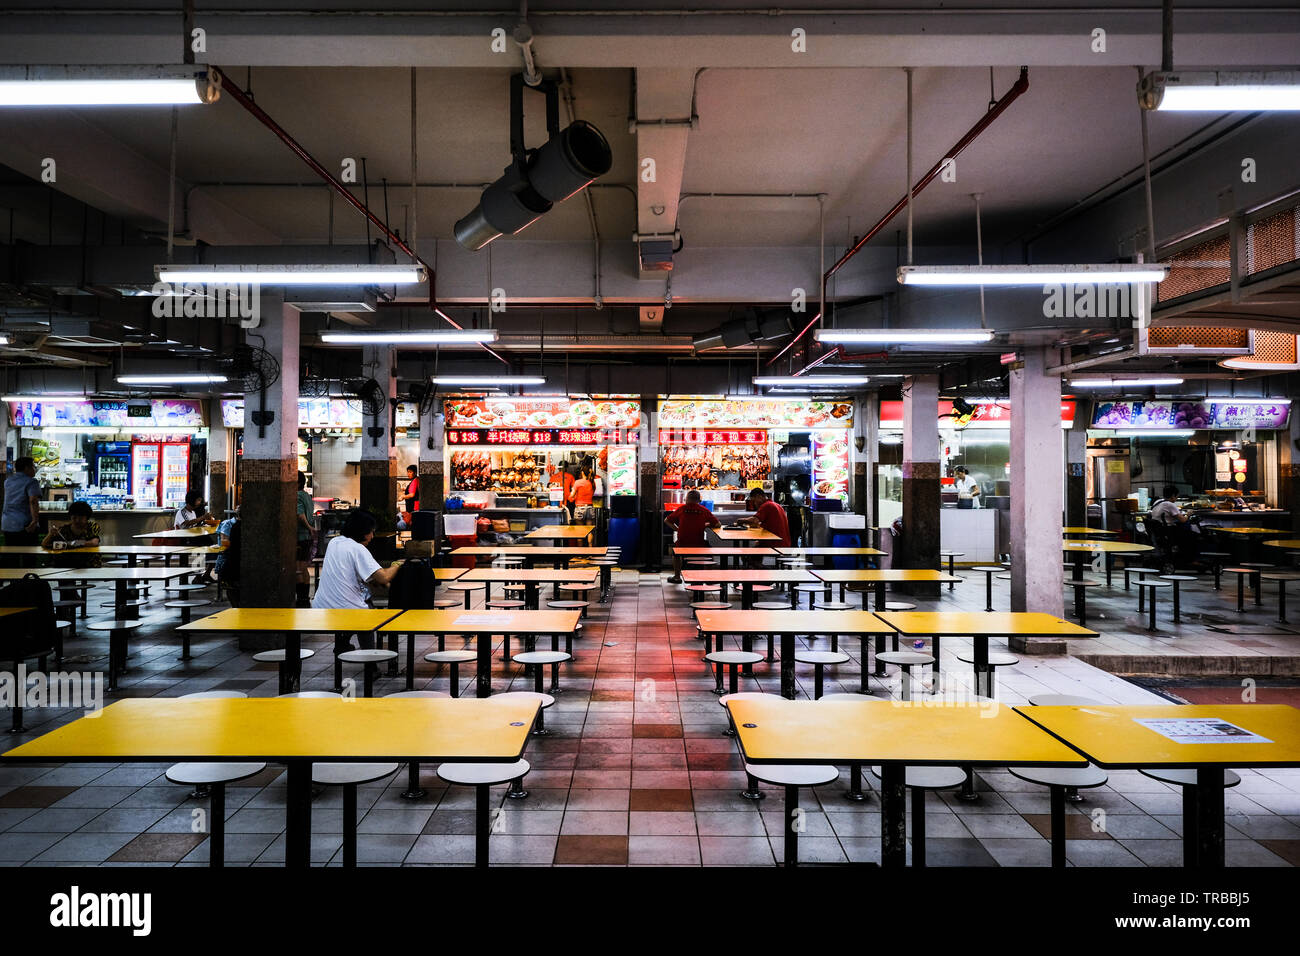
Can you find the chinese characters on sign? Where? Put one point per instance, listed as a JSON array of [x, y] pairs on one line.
[[525, 436], [689, 436]]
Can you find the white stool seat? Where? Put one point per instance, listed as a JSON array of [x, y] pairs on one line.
[[278, 656], [1077, 777], [930, 778], [710, 606], [338, 774], [821, 657], [214, 695], [836, 606], [579, 587], [567, 605], [112, 625], [447, 603], [1147, 583], [476, 774], [450, 657], [733, 657], [1062, 700], [952, 554], [546, 699], [503, 604], [996, 658], [704, 587], [850, 698], [793, 775], [989, 568], [771, 606], [1085, 583], [368, 656], [905, 657], [187, 602], [1187, 778], [899, 606], [465, 586], [181, 588], [811, 588], [1182, 577], [542, 657], [314, 695], [207, 773], [419, 694], [745, 695]]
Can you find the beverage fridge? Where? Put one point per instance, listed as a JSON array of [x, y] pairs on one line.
[[112, 466], [160, 473]]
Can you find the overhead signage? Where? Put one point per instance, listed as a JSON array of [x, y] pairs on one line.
[[699, 436], [93, 413], [983, 415], [533, 436], [1196, 413], [321, 413], [560, 412], [754, 413]]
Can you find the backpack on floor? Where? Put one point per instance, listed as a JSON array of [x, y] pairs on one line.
[[413, 586], [33, 632]]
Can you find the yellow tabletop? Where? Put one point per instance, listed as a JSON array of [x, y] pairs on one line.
[[745, 534], [791, 622], [532, 551], [271, 728], [1242, 530], [6, 611], [1113, 546], [875, 575], [448, 574], [973, 623], [919, 732], [748, 576], [300, 619], [13, 574], [1087, 531], [551, 531], [180, 533], [119, 574], [1113, 736], [829, 552], [1283, 543], [724, 552], [150, 549], [533, 575], [484, 622]]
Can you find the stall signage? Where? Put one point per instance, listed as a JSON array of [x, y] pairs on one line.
[[694, 436], [1197, 413], [754, 413], [320, 413], [556, 413], [984, 415], [158, 412], [532, 436]]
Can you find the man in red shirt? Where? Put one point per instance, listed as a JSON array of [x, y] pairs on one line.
[[689, 521], [769, 516]]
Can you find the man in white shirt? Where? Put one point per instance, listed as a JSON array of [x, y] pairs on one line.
[[968, 489], [193, 513], [1166, 510], [348, 570]]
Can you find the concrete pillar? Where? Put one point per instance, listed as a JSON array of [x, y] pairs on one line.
[[220, 470], [1037, 487], [866, 442], [432, 488], [1076, 483], [1288, 466], [920, 477], [378, 457], [269, 473]]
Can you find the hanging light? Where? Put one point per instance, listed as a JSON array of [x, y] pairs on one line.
[[37, 86]]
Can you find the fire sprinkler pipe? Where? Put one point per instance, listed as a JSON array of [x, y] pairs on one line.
[[243, 99], [997, 109]]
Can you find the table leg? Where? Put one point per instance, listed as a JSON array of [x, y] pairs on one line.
[[1177, 609], [482, 824], [918, 827], [297, 843], [983, 677], [893, 814], [1151, 611], [791, 834], [292, 661], [862, 672], [1209, 818], [410, 662], [880, 649], [1281, 601], [787, 666], [1078, 565], [1109, 561], [746, 596], [483, 676], [1058, 826], [880, 595], [988, 590], [1189, 827], [217, 826]]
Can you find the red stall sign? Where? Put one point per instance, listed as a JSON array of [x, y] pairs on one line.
[[701, 436]]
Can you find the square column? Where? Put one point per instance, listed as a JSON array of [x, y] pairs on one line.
[[378, 457], [920, 477], [432, 489], [269, 472], [866, 429], [1076, 482], [1037, 487]]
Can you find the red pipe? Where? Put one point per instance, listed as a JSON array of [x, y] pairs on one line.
[[1019, 87], [244, 100], [837, 351]]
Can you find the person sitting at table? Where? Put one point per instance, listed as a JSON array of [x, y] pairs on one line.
[[229, 563], [193, 513], [349, 571], [1173, 522], [689, 521], [1166, 510], [81, 531], [224, 540], [769, 516]]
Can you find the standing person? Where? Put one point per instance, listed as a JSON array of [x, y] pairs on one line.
[[349, 570], [81, 531], [968, 489], [689, 521], [411, 497], [193, 513], [580, 497], [21, 518], [769, 516], [305, 522]]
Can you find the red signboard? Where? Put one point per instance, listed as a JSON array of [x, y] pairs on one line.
[[531, 436], [700, 436], [985, 415]]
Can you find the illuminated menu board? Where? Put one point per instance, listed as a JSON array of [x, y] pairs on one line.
[[531, 436], [700, 436]]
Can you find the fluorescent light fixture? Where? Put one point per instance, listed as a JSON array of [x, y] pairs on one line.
[[1220, 91], [487, 380], [1076, 274], [902, 336], [108, 86], [292, 274], [44, 397], [1156, 433], [4, 340], [1124, 382], [440, 337], [82, 430], [177, 378], [1249, 363], [811, 381]]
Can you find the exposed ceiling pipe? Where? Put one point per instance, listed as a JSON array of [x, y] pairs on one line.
[[242, 98], [997, 109]]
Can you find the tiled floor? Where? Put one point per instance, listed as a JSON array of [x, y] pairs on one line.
[[638, 770]]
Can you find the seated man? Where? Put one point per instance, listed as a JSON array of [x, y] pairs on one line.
[[81, 531], [349, 571], [1173, 522], [769, 516], [689, 521]]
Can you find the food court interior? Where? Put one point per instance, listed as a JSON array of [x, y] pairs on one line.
[[854, 436]]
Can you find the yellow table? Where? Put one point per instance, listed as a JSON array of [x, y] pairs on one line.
[[122, 578], [448, 574], [7, 611], [880, 577], [724, 555], [1288, 543], [787, 624], [292, 622], [746, 578], [181, 534], [745, 536], [297, 732], [532, 554], [131, 551], [826, 554], [532, 579], [13, 574], [1266, 735], [483, 625], [1225, 530], [561, 532], [979, 626], [1106, 548], [895, 735]]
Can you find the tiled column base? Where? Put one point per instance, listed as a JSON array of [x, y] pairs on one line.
[[268, 538], [432, 492], [379, 487], [921, 520]]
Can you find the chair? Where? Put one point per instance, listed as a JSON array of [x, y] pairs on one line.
[[413, 789], [1129, 572], [906, 660], [580, 606], [504, 604], [482, 777], [1216, 561], [453, 659], [919, 780], [792, 777], [186, 607], [733, 661], [812, 590], [288, 676], [214, 695], [214, 776], [1242, 574], [349, 776], [1281, 577], [369, 659], [1058, 780], [819, 660], [468, 588], [855, 769], [725, 699]]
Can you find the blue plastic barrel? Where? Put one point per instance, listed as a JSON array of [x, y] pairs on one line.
[[625, 534], [845, 539]]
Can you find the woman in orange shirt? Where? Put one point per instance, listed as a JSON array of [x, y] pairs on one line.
[[580, 495]]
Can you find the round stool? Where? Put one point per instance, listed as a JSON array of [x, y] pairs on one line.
[[819, 660], [539, 728], [413, 789], [467, 588], [1281, 577], [538, 660], [905, 660], [1216, 560], [313, 695], [505, 604], [733, 661], [213, 777], [443, 604], [482, 777], [1057, 780], [1081, 597], [288, 675], [580, 606], [919, 780], [117, 638], [710, 606], [951, 555], [186, 607], [184, 588], [1242, 574], [839, 606], [214, 695], [723, 701], [454, 659], [989, 570], [899, 606], [1187, 780], [995, 660], [1175, 580], [349, 776], [792, 777], [770, 606], [1129, 572], [812, 590], [1062, 700], [1154, 587], [369, 659]]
